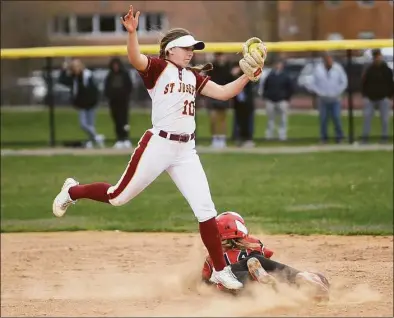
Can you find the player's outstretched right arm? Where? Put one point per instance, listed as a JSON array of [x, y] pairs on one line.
[[130, 22]]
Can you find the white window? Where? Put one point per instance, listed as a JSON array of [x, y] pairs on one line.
[[104, 24], [153, 22], [107, 23], [84, 24], [333, 3], [150, 22], [366, 35], [366, 3], [61, 25]]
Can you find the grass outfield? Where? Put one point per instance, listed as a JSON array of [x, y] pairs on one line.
[[329, 193], [32, 126]]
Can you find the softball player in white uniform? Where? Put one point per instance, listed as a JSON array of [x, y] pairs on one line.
[[169, 145]]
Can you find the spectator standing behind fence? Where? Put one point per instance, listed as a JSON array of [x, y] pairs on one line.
[[221, 74], [377, 89], [329, 81], [277, 91], [84, 97], [117, 90], [243, 112]]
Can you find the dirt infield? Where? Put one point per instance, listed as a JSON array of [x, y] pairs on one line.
[[135, 274]]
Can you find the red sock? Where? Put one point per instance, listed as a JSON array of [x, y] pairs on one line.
[[94, 191], [210, 236]]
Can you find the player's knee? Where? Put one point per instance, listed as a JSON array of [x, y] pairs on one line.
[[117, 202], [120, 199]]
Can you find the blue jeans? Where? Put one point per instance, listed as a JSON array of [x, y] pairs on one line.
[[87, 122], [330, 109], [383, 106]]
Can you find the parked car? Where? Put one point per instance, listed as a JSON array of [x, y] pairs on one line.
[[33, 90]]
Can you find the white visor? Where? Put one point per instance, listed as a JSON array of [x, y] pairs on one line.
[[185, 41]]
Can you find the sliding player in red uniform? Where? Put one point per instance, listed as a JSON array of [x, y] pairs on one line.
[[250, 260]]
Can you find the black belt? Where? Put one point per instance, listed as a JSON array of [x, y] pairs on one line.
[[174, 137]]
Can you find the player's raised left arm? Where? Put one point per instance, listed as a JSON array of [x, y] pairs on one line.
[[130, 22]]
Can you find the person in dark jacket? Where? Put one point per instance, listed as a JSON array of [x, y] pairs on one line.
[[277, 91], [244, 112], [377, 89], [84, 97], [118, 87], [221, 74]]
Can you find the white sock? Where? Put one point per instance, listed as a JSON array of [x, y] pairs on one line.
[[215, 140], [222, 139]]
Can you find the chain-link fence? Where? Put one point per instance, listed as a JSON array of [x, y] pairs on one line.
[[25, 82]]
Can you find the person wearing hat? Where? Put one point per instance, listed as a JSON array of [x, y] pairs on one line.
[[377, 89]]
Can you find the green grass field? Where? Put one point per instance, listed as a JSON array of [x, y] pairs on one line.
[[332, 193], [33, 126]]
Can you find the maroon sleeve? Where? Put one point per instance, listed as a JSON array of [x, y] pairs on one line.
[[201, 81], [153, 71]]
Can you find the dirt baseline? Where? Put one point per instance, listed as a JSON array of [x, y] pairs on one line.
[[142, 274]]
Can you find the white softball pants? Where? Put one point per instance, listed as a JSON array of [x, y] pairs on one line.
[[154, 155]]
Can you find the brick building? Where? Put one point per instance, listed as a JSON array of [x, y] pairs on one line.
[[97, 22], [52, 23], [68, 23], [335, 19]]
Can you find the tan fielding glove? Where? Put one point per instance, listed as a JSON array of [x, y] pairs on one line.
[[252, 72], [255, 53], [255, 48]]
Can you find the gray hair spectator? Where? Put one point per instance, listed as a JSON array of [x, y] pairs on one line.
[[84, 97], [277, 91], [329, 82], [377, 89]]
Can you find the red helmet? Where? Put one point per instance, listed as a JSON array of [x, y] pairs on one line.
[[231, 225]]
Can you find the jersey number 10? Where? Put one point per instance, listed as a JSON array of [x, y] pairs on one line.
[[188, 108]]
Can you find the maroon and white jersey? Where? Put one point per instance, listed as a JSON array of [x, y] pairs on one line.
[[173, 90]]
